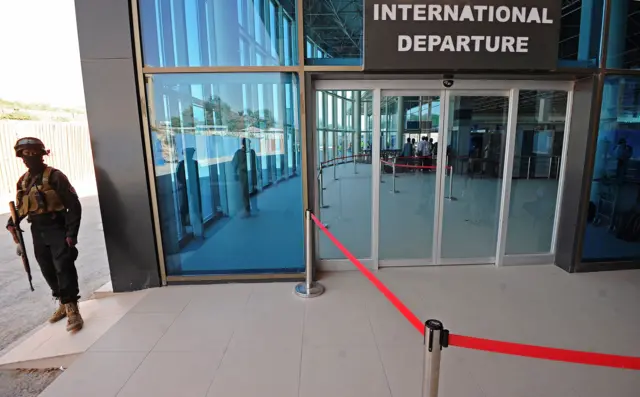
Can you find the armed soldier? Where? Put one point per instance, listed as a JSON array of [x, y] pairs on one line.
[[47, 200]]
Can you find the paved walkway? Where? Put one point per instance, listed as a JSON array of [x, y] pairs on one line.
[[22, 310], [246, 340]]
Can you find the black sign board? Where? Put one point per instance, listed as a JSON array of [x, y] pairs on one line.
[[461, 34]]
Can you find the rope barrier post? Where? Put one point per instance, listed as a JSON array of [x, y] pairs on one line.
[[450, 198], [550, 165], [335, 164], [381, 169], [355, 165], [394, 176], [309, 288], [435, 338], [528, 167], [321, 190]]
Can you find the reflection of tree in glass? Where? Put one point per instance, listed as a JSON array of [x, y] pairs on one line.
[[220, 113]]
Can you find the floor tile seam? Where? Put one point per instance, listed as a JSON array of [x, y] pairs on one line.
[[147, 353], [226, 348], [217, 369], [384, 369], [304, 321]]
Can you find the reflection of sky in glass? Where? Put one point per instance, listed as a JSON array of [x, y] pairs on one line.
[[216, 33]]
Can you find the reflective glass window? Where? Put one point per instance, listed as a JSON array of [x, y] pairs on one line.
[[623, 43], [336, 29], [612, 231], [226, 164], [217, 32], [580, 31], [344, 184], [536, 171]]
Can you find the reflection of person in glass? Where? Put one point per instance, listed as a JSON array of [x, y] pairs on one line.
[[623, 153], [182, 184], [242, 159]]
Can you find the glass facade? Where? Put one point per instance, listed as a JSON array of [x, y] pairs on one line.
[[537, 159], [218, 33], [612, 231], [334, 32], [226, 151], [623, 42], [227, 147], [344, 128]]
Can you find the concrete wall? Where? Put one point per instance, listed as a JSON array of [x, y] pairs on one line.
[[108, 70]]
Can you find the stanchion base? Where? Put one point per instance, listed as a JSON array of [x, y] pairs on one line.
[[324, 206], [451, 198], [316, 289], [394, 191], [326, 225]]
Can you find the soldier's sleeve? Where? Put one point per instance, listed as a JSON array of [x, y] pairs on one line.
[[70, 200], [19, 194]]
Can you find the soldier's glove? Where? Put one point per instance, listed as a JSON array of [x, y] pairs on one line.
[[71, 242]]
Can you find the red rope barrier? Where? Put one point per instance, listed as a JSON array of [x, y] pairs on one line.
[[431, 167], [545, 353], [413, 319], [343, 158], [488, 345]]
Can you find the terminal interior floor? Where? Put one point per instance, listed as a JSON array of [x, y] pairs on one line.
[[407, 217], [246, 340], [244, 244]]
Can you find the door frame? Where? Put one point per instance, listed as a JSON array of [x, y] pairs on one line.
[[509, 88]]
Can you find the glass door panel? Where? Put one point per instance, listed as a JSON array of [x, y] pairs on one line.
[[472, 184], [536, 171], [408, 177], [343, 187]]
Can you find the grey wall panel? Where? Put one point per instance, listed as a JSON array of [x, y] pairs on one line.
[[114, 122], [584, 106], [104, 29]]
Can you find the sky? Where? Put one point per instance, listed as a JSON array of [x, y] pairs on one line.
[[39, 55]]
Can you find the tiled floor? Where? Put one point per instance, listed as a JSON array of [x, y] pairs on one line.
[[245, 340], [52, 340]]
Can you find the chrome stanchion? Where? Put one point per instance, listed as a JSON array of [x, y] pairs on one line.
[[550, 165], [451, 198], [435, 338], [394, 176], [321, 190], [381, 169], [528, 167], [355, 165], [309, 288], [335, 164]]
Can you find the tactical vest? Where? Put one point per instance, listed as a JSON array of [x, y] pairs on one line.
[[38, 197]]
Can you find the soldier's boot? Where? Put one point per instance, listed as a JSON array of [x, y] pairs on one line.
[[74, 319], [59, 314]]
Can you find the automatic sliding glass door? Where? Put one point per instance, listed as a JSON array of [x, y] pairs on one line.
[[476, 126]]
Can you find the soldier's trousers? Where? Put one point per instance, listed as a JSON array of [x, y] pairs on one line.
[[57, 261]]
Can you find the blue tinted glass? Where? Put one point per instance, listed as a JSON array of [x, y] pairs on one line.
[[226, 208], [580, 29], [208, 32], [336, 29], [612, 232], [624, 28]]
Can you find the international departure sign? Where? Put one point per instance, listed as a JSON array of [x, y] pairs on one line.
[[461, 34]]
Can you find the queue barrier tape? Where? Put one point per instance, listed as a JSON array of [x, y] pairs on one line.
[[431, 167], [489, 345], [545, 353], [412, 318]]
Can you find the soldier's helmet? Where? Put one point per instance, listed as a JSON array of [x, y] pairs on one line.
[[30, 143]]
